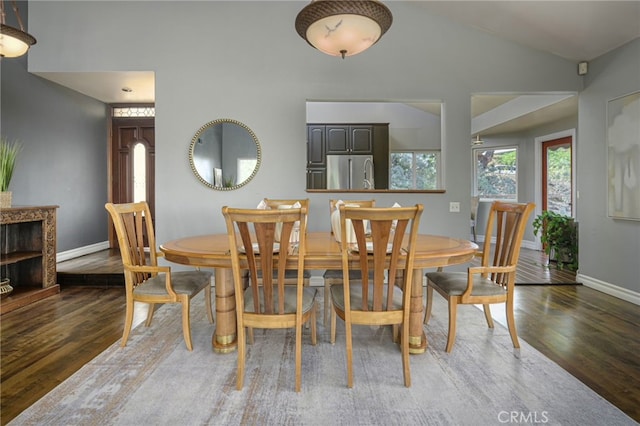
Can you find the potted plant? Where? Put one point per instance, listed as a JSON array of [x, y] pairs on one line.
[[559, 237], [8, 155]]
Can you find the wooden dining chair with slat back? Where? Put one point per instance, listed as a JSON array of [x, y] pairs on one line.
[[147, 282], [291, 275], [493, 281], [334, 276], [373, 301], [273, 304]]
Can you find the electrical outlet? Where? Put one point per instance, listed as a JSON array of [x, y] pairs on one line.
[[454, 207]]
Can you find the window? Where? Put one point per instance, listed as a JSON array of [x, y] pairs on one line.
[[139, 173], [496, 173], [414, 170], [134, 111]]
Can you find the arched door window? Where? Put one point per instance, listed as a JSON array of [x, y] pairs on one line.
[[139, 172]]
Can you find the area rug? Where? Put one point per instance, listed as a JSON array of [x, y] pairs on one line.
[[155, 380]]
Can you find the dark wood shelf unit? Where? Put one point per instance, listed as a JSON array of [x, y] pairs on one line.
[[28, 254], [18, 256]]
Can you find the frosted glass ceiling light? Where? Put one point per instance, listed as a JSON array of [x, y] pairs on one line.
[[13, 42], [343, 28]]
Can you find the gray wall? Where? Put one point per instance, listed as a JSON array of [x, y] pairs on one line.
[[236, 66], [609, 249], [63, 160]]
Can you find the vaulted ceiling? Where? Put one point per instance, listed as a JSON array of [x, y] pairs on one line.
[[574, 30]]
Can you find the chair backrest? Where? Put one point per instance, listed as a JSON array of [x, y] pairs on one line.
[[274, 204], [507, 221], [134, 229], [393, 236], [252, 238], [288, 203], [361, 203]]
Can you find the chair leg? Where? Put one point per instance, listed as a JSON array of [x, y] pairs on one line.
[[349, 344], [453, 311], [150, 312], [314, 340], [207, 302], [128, 322], [511, 322], [298, 357], [250, 332], [242, 348], [333, 325], [186, 327], [327, 301], [427, 311], [487, 315], [406, 369]]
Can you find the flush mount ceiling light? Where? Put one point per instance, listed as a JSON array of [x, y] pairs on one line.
[[343, 28], [477, 141], [13, 42]]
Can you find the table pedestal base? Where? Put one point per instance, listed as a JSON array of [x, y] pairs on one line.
[[224, 338]]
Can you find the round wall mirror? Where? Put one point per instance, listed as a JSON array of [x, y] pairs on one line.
[[224, 154]]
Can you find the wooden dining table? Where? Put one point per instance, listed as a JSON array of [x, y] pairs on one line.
[[323, 252]]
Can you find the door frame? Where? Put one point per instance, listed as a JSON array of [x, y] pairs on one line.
[[538, 172], [112, 238]]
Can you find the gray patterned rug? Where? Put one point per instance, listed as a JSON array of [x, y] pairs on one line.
[[156, 381]]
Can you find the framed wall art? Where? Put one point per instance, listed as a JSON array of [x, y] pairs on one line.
[[623, 157]]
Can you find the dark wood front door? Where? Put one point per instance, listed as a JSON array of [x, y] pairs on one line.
[[132, 155]]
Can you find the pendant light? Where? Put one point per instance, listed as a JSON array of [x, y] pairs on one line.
[[13, 42], [477, 141], [343, 28]]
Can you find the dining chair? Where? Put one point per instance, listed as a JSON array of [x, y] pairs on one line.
[[493, 281], [371, 301], [271, 304], [291, 276], [334, 276], [145, 280]]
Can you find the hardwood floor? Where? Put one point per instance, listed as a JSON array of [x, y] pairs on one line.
[[590, 334]]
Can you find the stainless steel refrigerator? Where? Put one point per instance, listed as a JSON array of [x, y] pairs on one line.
[[350, 172]]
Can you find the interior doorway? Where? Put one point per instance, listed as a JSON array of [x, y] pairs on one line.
[[555, 178], [132, 159]]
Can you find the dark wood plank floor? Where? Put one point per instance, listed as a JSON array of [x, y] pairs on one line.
[[590, 334]]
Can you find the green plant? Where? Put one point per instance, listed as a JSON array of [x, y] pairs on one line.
[[559, 237], [228, 181], [8, 154]]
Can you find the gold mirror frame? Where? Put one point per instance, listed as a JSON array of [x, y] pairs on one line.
[[196, 139]]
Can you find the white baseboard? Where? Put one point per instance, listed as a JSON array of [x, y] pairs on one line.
[[81, 251], [610, 289]]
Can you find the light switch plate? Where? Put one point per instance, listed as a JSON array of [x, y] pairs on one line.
[[454, 207]]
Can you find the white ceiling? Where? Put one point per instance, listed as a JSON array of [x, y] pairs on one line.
[[574, 30]]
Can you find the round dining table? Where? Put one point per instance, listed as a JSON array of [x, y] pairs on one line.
[[323, 252]]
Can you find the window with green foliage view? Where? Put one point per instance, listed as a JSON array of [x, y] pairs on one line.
[[414, 170], [496, 173]]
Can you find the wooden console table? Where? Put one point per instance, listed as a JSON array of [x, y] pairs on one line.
[[28, 254]]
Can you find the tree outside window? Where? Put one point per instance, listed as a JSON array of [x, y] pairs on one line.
[[414, 170], [496, 173]]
